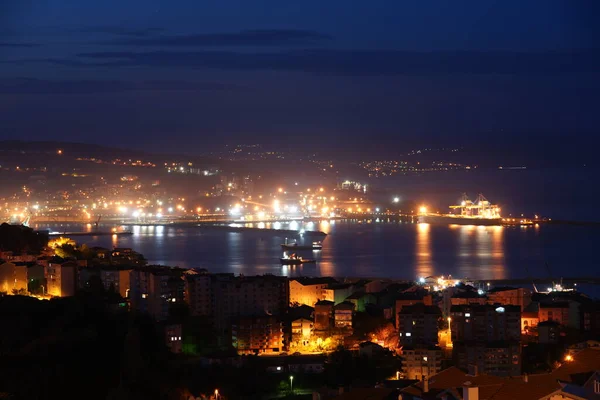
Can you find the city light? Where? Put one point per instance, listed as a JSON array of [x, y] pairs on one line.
[[396, 199], [423, 209], [568, 358]]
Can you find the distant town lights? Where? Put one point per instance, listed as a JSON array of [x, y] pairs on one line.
[[396, 199]]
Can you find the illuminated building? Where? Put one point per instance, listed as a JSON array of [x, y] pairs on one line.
[[173, 337], [257, 334], [487, 336], [309, 291], [302, 330], [418, 325], [339, 292], [62, 279], [235, 296], [198, 293], [559, 312], [324, 315], [419, 362], [509, 296], [117, 279], [529, 320], [549, 332], [409, 299], [7, 277], [574, 379], [154, 289], [342, 315], [224, 298]]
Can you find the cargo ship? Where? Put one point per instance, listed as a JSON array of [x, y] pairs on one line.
[[479, 212]]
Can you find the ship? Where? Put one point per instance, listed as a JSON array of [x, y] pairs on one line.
[[295, 246], [295, 260], [479, 212]]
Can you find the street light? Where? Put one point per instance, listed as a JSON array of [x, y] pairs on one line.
[[292, 384], [216, 394]]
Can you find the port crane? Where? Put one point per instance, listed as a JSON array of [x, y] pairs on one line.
[[97, 221], [480, 208]]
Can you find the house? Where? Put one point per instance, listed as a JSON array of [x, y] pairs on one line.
[[361, 300], [309, 291], [256, 335], [173, 337], [368, 393], [575, 380], [509, 296], [549, 332], [324, 315], [62, 279], [418, 325], [370, 349], [338, 292], [529, 320], [302, 330], [343, 313]]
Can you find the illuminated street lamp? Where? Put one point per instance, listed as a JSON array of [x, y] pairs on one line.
[[292, 384], [396, 199], [216, 394]]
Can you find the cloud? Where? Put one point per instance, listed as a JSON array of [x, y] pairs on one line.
[[360, 62], [265, 37], [8, 44], [121, 31], [38, 86]]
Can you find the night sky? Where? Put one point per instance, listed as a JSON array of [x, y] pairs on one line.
[[187, 76]]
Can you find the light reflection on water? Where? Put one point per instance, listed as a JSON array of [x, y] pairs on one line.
[[369, 248]]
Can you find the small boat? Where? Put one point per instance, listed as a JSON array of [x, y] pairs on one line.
[[295, 246], [295, 260]]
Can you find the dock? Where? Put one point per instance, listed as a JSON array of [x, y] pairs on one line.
[[103, 233]]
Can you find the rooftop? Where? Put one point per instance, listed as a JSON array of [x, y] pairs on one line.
[[307, 281], [452, 380], [420, 309]]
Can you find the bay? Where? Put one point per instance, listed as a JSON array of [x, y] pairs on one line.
[[371, 248]]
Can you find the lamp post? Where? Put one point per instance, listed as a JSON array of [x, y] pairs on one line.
[[216, 394], [292, 384]]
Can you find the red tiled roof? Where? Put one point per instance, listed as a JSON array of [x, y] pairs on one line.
[[366, 394], [490, 387]]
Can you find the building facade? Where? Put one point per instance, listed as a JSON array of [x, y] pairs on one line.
[[257, 335], [487, 337], [418, 325], [309, 291], [418, 363], [61, 279]]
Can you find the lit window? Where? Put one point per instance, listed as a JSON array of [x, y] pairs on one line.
[[179, 337], [467, 314], [408, 334], [144, 295], [500, 309], [400, 333]]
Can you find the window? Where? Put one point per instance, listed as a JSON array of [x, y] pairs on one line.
[[408, 334], [596, 386]]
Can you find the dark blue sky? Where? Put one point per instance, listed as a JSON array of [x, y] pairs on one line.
[[189, 75]]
